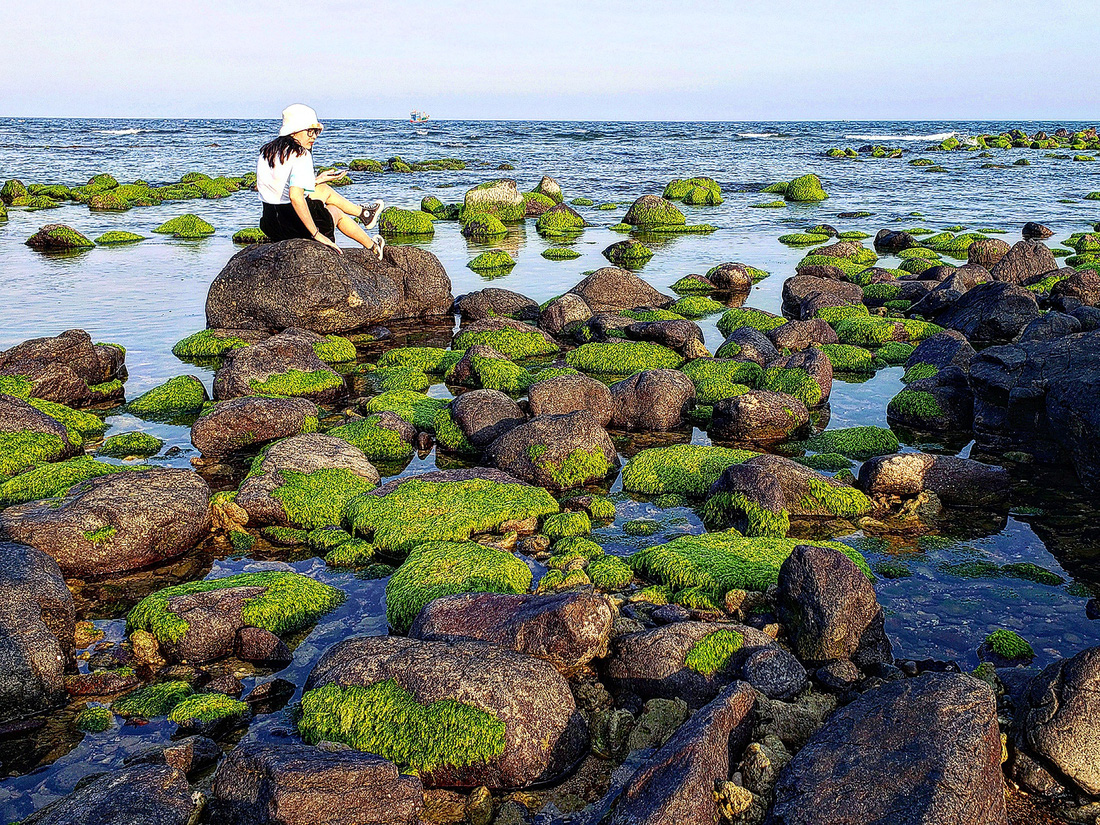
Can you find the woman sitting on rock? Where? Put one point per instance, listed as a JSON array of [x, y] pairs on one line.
[[298, 204]]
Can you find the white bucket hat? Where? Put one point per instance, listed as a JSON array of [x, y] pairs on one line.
[[296, 117]]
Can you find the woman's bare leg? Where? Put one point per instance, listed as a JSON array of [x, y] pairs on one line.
[[331, 197], [344, 220]]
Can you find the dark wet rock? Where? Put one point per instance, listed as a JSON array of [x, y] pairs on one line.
[[683, 336], [254, 644], [758, 417], [838, 676], [816, 364], [292, 784], [832, 273], [100, 682], [612, 288], [114, 523], [138, 795], [669, 613], [797, 289], [758, 485], [1059, 721], [227, 683], [944, 349], [987, 252], [942, 403], [247, 370], [957, 481], [190, 754], [563, 313], [558, 452], [651, 663], [569, 393], [888, 242], [799, 335], [924, 750], [485, 415], [1024, 261], [301, 283], [1048, 326], [465, 371], [568, 630], [676, 787], [1080, 288], [301, 454], [493, 302], [809, 494], [1041, 397], [954, 283], [830, 609], [243, 422], [37, 622], [1088, 316], [993, 313], [544, 732], [62, 369], [752, 345], [652, 400], [774, 672], [1036, 232], [731, 277]]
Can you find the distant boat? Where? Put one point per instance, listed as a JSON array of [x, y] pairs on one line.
[[418, 117]]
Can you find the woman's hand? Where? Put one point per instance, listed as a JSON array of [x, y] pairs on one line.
[[331, 244], [329, 175]]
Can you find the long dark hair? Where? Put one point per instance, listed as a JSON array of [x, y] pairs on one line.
[[280, 149]]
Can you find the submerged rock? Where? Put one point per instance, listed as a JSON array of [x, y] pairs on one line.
[[138, 795], [496, 717], [958, 481], [117, 522], [300, 283], [924, 750]]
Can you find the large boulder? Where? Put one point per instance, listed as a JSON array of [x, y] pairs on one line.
[[493, 302], [811, 494], [786, 374], [694, 661], [500, 197], [301, 283], [993, 313], [924, 751], [1024, 261], [558, 452], [114, 523], [683, 336], [292, 784], [525, 724], [569, 393], [987, 252], [485, 415], [1059, 720], [1041, 397], [758, 417], [65, 369], [944, 349], [943, 402], [799, 335], [890, 242], [676, 786], [563, 313], [243, 422], [284, 364], [957, 481], [1050, 325], [748, 344], [731, 277], [304, 481], [38, 437], [801, 287], [612, 288], [37, 621], [138, 795], [1080, 288], [568, 630], [652, 400], [830, 609]]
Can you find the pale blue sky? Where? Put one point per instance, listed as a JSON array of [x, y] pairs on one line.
[[564, 60]]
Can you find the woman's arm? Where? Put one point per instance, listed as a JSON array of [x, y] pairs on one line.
[[297, 197]]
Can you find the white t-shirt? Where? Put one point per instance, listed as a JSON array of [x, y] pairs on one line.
[[273, 183]]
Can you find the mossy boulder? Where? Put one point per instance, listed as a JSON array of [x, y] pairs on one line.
[[810, 494], [492, 261], [117, 238], [513, 339], [395, 222], [718, 378], [560, 222], [13, 189], [381, 436], [365, 165], [239, 423], [128, 445], [181, 395], [286, 364], [414, 407], [56, 237], [188, 227], [499, 198], [684, 469], [559, 452], [199, 621], [694, 191], [537, 203], [459, 713], [66, 369], [215, 343], [560, 253], [305, 481], [549, 188], [482, 226], [650, 212], [855, 442], [622, 358], [630, 254], [52, 479], [448, 505], [250, 235], [805, 189], [108, 202]]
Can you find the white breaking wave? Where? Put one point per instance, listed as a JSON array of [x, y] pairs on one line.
[[120, 131], [757, 134], [939, 136], [421, 131]]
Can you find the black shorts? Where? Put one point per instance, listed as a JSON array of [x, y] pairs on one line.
[[281, 223]]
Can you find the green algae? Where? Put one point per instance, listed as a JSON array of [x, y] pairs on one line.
[[805, 189], [482, 226], [426, 359], [641, 527], [560, 253], [719, 562], [399, 378], [692, 284], [23, 450], [85, 423], [386, 720], [509, 342], [609, 572], [919, 371], [722, 508], [250, 235], [182, 394], [831, 462], [443, 568], [578, 467], [94, 719], [426, 511], [850, 358], [153, 700], [1009, 645], [915, 405], [377, 442], [206, 708], [118, 238], [206, 344], [560, 222], [334, 349], [51, 480], [686, 469], [493, 260], [622, 358], [715, 378], [290, 601], [414, 407], [746, 317], [125, 445], [895, 353], [566, 525], [318, 499], [714, 652], [449, 436], [295, 383], [793, 381], [855, 442], [186, 227], [394, 222], [697, 306]]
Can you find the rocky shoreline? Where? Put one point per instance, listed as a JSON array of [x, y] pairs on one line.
[[529, 676]]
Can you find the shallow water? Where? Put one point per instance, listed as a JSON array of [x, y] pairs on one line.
[[150, 295]]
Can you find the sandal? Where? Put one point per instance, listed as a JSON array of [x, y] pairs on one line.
[[370, 213], [379, 244]]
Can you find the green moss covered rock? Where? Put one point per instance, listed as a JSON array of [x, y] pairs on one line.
[[118, 238], [686, 469], [512, 339], [249, 235], [377, 437], [51, 479], [560, 253], [494, 260], [805, 189], [395, 222], [208, 343], [629, 254], [180, 395], [622, 358], [560, 222], [481, 226], [56, 237], [413, 407], [188, 227], [499, 198], [125, 445]]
